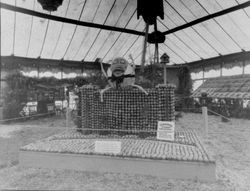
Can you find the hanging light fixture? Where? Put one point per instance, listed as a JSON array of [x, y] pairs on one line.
[[150, 10], [50, 5]]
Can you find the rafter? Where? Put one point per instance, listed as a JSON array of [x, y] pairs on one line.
[[208, 17], [239, 56], [67, 20], [8, 60]]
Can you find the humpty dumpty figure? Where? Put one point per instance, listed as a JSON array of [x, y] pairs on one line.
[[120, 75]]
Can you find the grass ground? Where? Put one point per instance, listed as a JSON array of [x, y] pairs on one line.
[[229, 143]]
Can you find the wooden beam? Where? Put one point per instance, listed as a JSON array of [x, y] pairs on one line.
[[208, 17], [240, 56], [60, 63], [238, 75], [70, 21], [124, 30]]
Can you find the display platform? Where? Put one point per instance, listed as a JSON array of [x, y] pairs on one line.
[[185, 158]]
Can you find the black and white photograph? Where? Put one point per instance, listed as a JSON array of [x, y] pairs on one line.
[[130, 95]]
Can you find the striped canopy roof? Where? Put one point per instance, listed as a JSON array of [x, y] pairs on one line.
[[32, 36], [226, 87]]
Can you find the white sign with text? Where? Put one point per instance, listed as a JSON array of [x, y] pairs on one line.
[[112, 147], [165, 130]]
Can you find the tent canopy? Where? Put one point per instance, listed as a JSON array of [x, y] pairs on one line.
[[31, 36]]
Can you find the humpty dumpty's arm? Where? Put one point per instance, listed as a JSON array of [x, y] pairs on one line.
[[140, 88], [133, 63], [106, 76], [103, 91], [103, 71]]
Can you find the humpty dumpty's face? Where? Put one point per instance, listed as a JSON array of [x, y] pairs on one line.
[[119, 66]]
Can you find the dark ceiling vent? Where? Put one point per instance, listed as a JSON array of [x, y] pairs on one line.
[[50, 5], [98, 60], [149, 10], [156, 37]]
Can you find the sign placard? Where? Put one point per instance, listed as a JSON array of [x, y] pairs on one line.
[[165, 130], [113, 147]]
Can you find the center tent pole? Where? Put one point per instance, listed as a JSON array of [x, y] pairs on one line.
[[144, 48]]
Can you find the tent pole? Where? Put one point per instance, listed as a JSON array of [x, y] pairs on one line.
[[144, 48], [243, 67], [221, 66], [0, 60]]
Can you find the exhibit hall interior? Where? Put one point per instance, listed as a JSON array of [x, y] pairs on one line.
[[125, 95]]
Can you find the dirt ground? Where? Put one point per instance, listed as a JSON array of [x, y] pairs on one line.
[[229, 143]]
